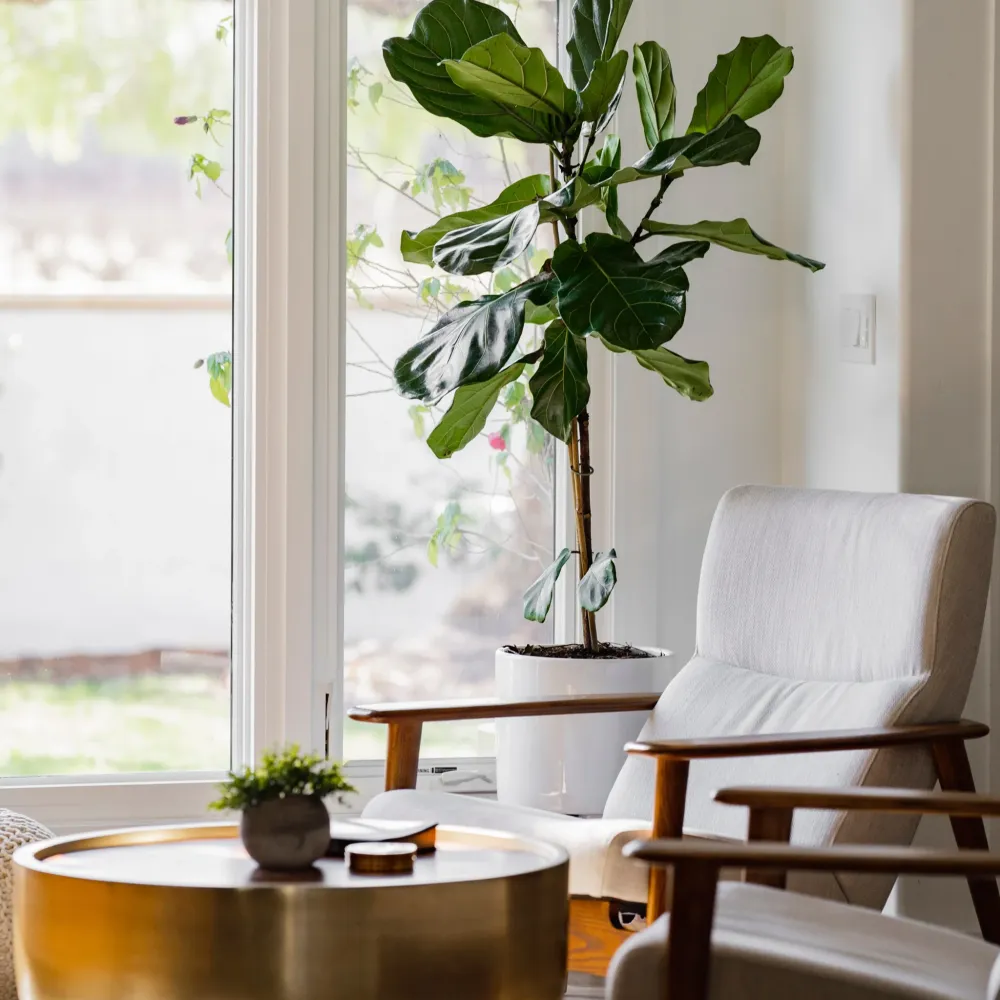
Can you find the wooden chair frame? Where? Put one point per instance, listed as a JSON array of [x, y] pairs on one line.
[[595, 933], [697, 865]]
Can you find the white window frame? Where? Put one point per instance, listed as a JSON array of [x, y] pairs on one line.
[[288, 467]]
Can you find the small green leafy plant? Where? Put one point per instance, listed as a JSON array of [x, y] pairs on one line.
[[466, 61], [282, 773]]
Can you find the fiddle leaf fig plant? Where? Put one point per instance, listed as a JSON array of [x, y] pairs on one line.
[[466, 61]]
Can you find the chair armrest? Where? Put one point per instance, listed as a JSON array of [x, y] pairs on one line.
[[785, 857], [406, 719], [873, 799], [697, 865], [769, 744], [495, 708]]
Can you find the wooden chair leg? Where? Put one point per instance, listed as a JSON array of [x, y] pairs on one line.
[[955, 774], [692, 910], [403, 755], [770, 823], [668, 822]]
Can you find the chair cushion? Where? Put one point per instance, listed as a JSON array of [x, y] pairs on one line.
[[708, 698], [596, 865], [769, 944]]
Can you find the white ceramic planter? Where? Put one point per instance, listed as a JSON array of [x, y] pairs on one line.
[[568, 763]]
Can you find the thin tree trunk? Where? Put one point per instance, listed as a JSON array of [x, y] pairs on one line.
[[580, 469]]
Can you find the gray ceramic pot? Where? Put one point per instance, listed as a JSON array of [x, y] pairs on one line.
[[286, 834]]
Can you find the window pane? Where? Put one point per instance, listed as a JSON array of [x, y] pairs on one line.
[[114, 456], [437, 552]]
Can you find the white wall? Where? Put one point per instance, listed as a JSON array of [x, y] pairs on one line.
[[844, 184], [879, 161], [947, 349]]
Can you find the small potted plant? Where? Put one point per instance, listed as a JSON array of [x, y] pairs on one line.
[[285, 825], [598, 290]]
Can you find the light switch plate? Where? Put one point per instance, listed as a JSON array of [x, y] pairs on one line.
[[857, 329]]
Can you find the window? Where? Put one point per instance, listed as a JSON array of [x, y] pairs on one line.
[[437, 553], [115, 460], [124, 480]]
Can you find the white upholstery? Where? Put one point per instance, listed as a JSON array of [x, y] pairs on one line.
[[596, 865], [768, 944], [816, 610]]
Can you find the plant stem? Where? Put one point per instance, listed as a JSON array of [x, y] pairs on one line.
[[566, 168], [579, 457], [665, 182], [581, 471]]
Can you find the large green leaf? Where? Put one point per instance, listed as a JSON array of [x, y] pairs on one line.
[[597, 98], [736, 235], [445, 29], [497, 242], [503, 70], [489, 245], [654, 86], [731, 142], [470, 408], [606, 288], [559, 386], [603, 166], [597, 26], [574, 196], [605, 163], [598, 582], [679, 254], [418, 248], [538, 597], [745, 82], [689, 378], [540, 314], [470, 343]]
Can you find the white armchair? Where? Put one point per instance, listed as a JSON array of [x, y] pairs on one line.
[[837, 634]]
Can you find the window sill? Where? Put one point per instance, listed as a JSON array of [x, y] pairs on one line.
[[104, 802]]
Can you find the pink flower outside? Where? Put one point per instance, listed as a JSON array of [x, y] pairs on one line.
[[497, 442]]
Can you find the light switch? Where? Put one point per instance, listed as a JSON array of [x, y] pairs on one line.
[[857, 329]]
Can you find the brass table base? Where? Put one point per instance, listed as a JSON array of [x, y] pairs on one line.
[[483, 919]]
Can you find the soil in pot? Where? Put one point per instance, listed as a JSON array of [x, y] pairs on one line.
[[577, 651], [286, 834]]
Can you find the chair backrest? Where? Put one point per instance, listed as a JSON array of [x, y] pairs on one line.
[[824, 610]]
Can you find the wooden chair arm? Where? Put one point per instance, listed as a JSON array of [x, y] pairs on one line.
[[697, 864], [769, 744], [873, 799], [495, 708], [673, 758], [788, 857], [405, 720]]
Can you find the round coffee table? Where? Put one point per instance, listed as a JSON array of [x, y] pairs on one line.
[[182, 913]]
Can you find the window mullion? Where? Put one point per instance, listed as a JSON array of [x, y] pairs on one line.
[[328, 376], [275, 253]]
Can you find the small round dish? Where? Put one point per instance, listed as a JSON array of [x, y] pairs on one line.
[[394, 858]]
